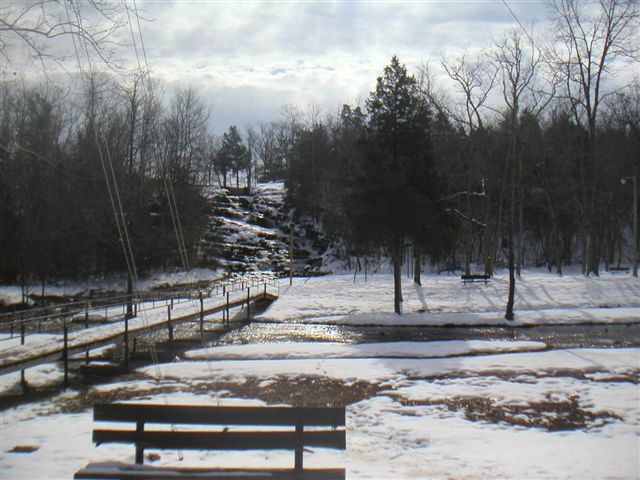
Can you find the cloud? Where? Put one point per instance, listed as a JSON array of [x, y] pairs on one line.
[[249, 58]]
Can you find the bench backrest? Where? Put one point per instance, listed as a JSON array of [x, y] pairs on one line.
[[475, 276], [294, 438]]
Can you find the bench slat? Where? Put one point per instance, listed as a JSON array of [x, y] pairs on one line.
[[199, 440], [203, 415], [124, 471]]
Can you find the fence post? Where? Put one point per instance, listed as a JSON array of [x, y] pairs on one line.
[[23, 381], [86, 325], [201, 313], [248, 303], [169, 322], [126, 343], [228, 320], [65, 354]]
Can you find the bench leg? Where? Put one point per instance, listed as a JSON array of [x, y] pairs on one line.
[[299, 447], [139, 448]]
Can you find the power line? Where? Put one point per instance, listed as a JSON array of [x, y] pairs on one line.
[[520, 25]]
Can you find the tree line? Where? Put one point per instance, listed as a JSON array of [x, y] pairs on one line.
[[530, 152], [515, 158], [71, 166]]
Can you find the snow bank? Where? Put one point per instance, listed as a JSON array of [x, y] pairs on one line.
[[618, 361], [10, 294], [281, 351]]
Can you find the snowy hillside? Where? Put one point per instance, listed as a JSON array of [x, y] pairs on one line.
[[252, 233]]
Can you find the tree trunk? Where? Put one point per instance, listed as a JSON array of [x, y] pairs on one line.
[[417, 265], [594, 255], [512, 283], [520, 245], [397, 277], [512, 218], [469, 233], [559, 249], [489, 242]]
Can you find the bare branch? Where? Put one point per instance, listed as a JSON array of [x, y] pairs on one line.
[[39, 24]]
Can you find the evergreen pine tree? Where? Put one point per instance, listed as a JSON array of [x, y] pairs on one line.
[[394, 195]]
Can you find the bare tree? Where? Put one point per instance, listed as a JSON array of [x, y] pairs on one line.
[[185, 135], [263, 143], [474, 79], [438, 96], [592, 42], [39, 27]]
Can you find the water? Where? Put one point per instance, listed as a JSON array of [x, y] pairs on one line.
[[555, 336]]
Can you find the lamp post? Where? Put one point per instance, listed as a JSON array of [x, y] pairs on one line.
[[634, 249]]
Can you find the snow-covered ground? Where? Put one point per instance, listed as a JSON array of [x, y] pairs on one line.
[[13, 351], [10, 294], [415, 410], [551, 414], [541, 298], [283, 351]]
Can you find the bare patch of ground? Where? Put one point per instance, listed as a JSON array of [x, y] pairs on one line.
[[549, 414], [304, 391]]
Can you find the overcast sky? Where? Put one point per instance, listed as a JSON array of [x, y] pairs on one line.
[[248, 59]]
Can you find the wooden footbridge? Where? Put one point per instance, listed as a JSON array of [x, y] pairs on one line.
[[149, 313]]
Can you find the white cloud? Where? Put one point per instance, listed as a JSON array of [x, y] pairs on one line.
[[249, 58]]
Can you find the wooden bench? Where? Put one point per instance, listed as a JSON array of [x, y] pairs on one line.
[[476, 277], [615, 270], [289, 435]]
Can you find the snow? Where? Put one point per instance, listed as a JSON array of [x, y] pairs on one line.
[[619, 361], [31, 340], [282, 351], [403, 431], [10, 294], [36, 377], [541, 298], [449, 409], [150, 314]]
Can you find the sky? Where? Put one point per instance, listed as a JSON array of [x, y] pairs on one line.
[[248, 59]]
